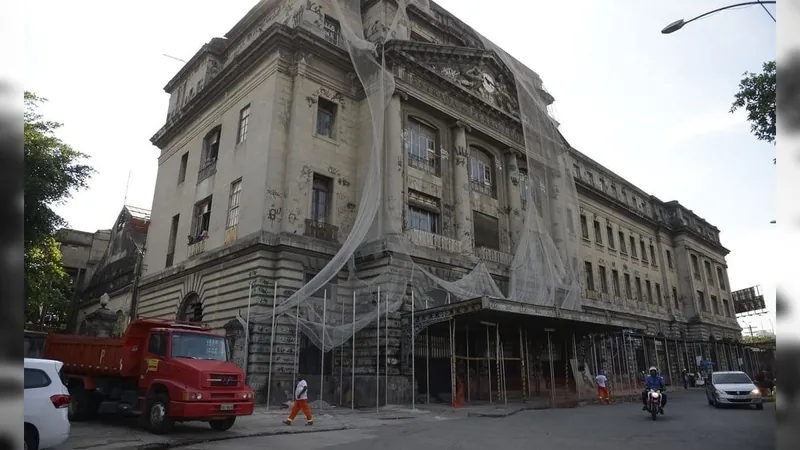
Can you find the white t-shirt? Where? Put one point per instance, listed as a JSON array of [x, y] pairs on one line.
[[300, 385], [601, 380]]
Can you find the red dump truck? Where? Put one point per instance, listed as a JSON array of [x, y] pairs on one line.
[[164, 371]]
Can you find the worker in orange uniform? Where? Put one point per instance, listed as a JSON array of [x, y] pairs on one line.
[[300, 402], [602, 387]]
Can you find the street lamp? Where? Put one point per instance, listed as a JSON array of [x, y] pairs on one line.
[[678, 24]]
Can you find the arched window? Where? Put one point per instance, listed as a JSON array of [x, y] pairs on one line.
[[211, 144], [481, 171], [421, 147], [191, 309]]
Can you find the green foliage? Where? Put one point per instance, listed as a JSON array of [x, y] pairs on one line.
[[52, 173], [47, 286], [757, 96]]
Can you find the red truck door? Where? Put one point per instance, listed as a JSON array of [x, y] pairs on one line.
[[153, 359]]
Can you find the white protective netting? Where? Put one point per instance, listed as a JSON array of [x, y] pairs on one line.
[[544, 270]]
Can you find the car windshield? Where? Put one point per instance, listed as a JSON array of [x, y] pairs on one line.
[[731, 378], [199, 346]]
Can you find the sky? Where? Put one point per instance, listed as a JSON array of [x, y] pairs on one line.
[[652, 108]]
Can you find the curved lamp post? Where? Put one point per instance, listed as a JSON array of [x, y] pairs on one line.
[[678, 24]]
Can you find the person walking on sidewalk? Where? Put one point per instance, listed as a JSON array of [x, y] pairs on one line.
[[300, 402], [602, 387]]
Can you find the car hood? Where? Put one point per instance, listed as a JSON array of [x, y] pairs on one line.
[[207, 365], [735, 387]]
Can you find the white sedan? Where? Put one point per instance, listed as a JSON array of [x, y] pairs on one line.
[[732, 388], [46, 403]]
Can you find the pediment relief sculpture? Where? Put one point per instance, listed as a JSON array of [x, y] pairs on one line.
[[482, 81]]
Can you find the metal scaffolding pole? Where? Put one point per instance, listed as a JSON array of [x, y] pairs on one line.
[[386, 353], [489, 363], [451, 325], [497, 363], [413, 358], [688, 356], [575, 355], [611, 358], [322, 347], [595, 368], [627, 361], [378, 353], [619, 359], [428, 361], [669, 366], [353, 358], [632, 377], [527, 359], [341, 358], [552, 369], [523, 367], [272, 342], [647, 362], [296, 343], [468, 360]]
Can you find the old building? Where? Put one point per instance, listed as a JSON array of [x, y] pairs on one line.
[[262, 178]]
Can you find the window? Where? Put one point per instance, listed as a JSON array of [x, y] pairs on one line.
[[714, 305], [158, 344], [628, 292], [587, 267], [320, 198], [615, 282], [633, 246], [603, 279], [233, 204], [639, 292], [35, 378], [610, 235], [653, 255], [173, 236], [326, 117], [202, 217], [332, 30], [658, 295], [421, 147], [182, 170], [211, 146], [649, 290], [669, 260], [584, 228], [726, 307], [644, 251], [675, 298], [695, 267], [720, 278], [244, 119], [709, 275], [487, 231], [481, 171], [702, 299], [598, 235], [422, 219], [622, 248]]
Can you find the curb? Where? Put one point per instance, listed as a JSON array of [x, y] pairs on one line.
[[187, 442]]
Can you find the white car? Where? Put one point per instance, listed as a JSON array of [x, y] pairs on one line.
[[46, 404], [732, 388]]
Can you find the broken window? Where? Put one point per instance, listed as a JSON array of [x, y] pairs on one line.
[[202, 218], [332, 30], [211, 146]]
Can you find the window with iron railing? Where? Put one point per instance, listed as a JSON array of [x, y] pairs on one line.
[[332, 30], [481, 172], [421, 147]]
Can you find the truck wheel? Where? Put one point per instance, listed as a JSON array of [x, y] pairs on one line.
[[83, 405], [222, 424], [158, 419]]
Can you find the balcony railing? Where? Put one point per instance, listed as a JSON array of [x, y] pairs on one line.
[[495, 256], [197, 248], [208, 168], [434, 241], [482, 187], [425, 164], [322, 231]]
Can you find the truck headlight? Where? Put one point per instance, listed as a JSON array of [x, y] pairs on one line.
[[247, 395], [188, 396]]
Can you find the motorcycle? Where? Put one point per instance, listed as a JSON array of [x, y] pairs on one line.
[[654, 403]]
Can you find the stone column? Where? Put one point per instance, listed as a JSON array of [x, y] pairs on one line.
[[692, 281], [666, 287], [394, 166], [515, 212], [462, 188], [297, 179]]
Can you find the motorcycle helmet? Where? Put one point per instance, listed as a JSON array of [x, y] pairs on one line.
[[653, 369]]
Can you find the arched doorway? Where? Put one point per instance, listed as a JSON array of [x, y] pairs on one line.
[[191, 309]]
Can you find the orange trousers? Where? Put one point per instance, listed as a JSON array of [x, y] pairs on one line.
[[298, 405], [602, 393]]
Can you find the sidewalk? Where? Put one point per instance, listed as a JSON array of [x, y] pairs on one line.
[[125, 434]]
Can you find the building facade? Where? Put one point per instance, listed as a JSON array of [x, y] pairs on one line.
[[261, 173]]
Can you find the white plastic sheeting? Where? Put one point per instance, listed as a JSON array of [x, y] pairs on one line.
[[544, 269]]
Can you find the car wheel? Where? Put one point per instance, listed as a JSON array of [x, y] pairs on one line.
[[760, 406], [222, 424], [158, 419], [31, 438]]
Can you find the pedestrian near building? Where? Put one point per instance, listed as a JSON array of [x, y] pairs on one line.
[[300, 402], [602, 388]]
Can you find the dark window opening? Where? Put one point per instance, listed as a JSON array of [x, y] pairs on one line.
[[487, 231], [326, 117]]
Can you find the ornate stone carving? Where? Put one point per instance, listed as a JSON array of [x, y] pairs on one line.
[[482, 81]]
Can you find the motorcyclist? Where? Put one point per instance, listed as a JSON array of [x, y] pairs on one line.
[[655, 382]]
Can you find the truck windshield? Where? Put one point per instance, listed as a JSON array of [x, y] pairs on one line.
[[199, 346]]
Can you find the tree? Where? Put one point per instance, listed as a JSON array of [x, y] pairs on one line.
[[52, 173], [757, 96]]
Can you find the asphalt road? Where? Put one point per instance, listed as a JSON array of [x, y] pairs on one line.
[[689, 423]]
